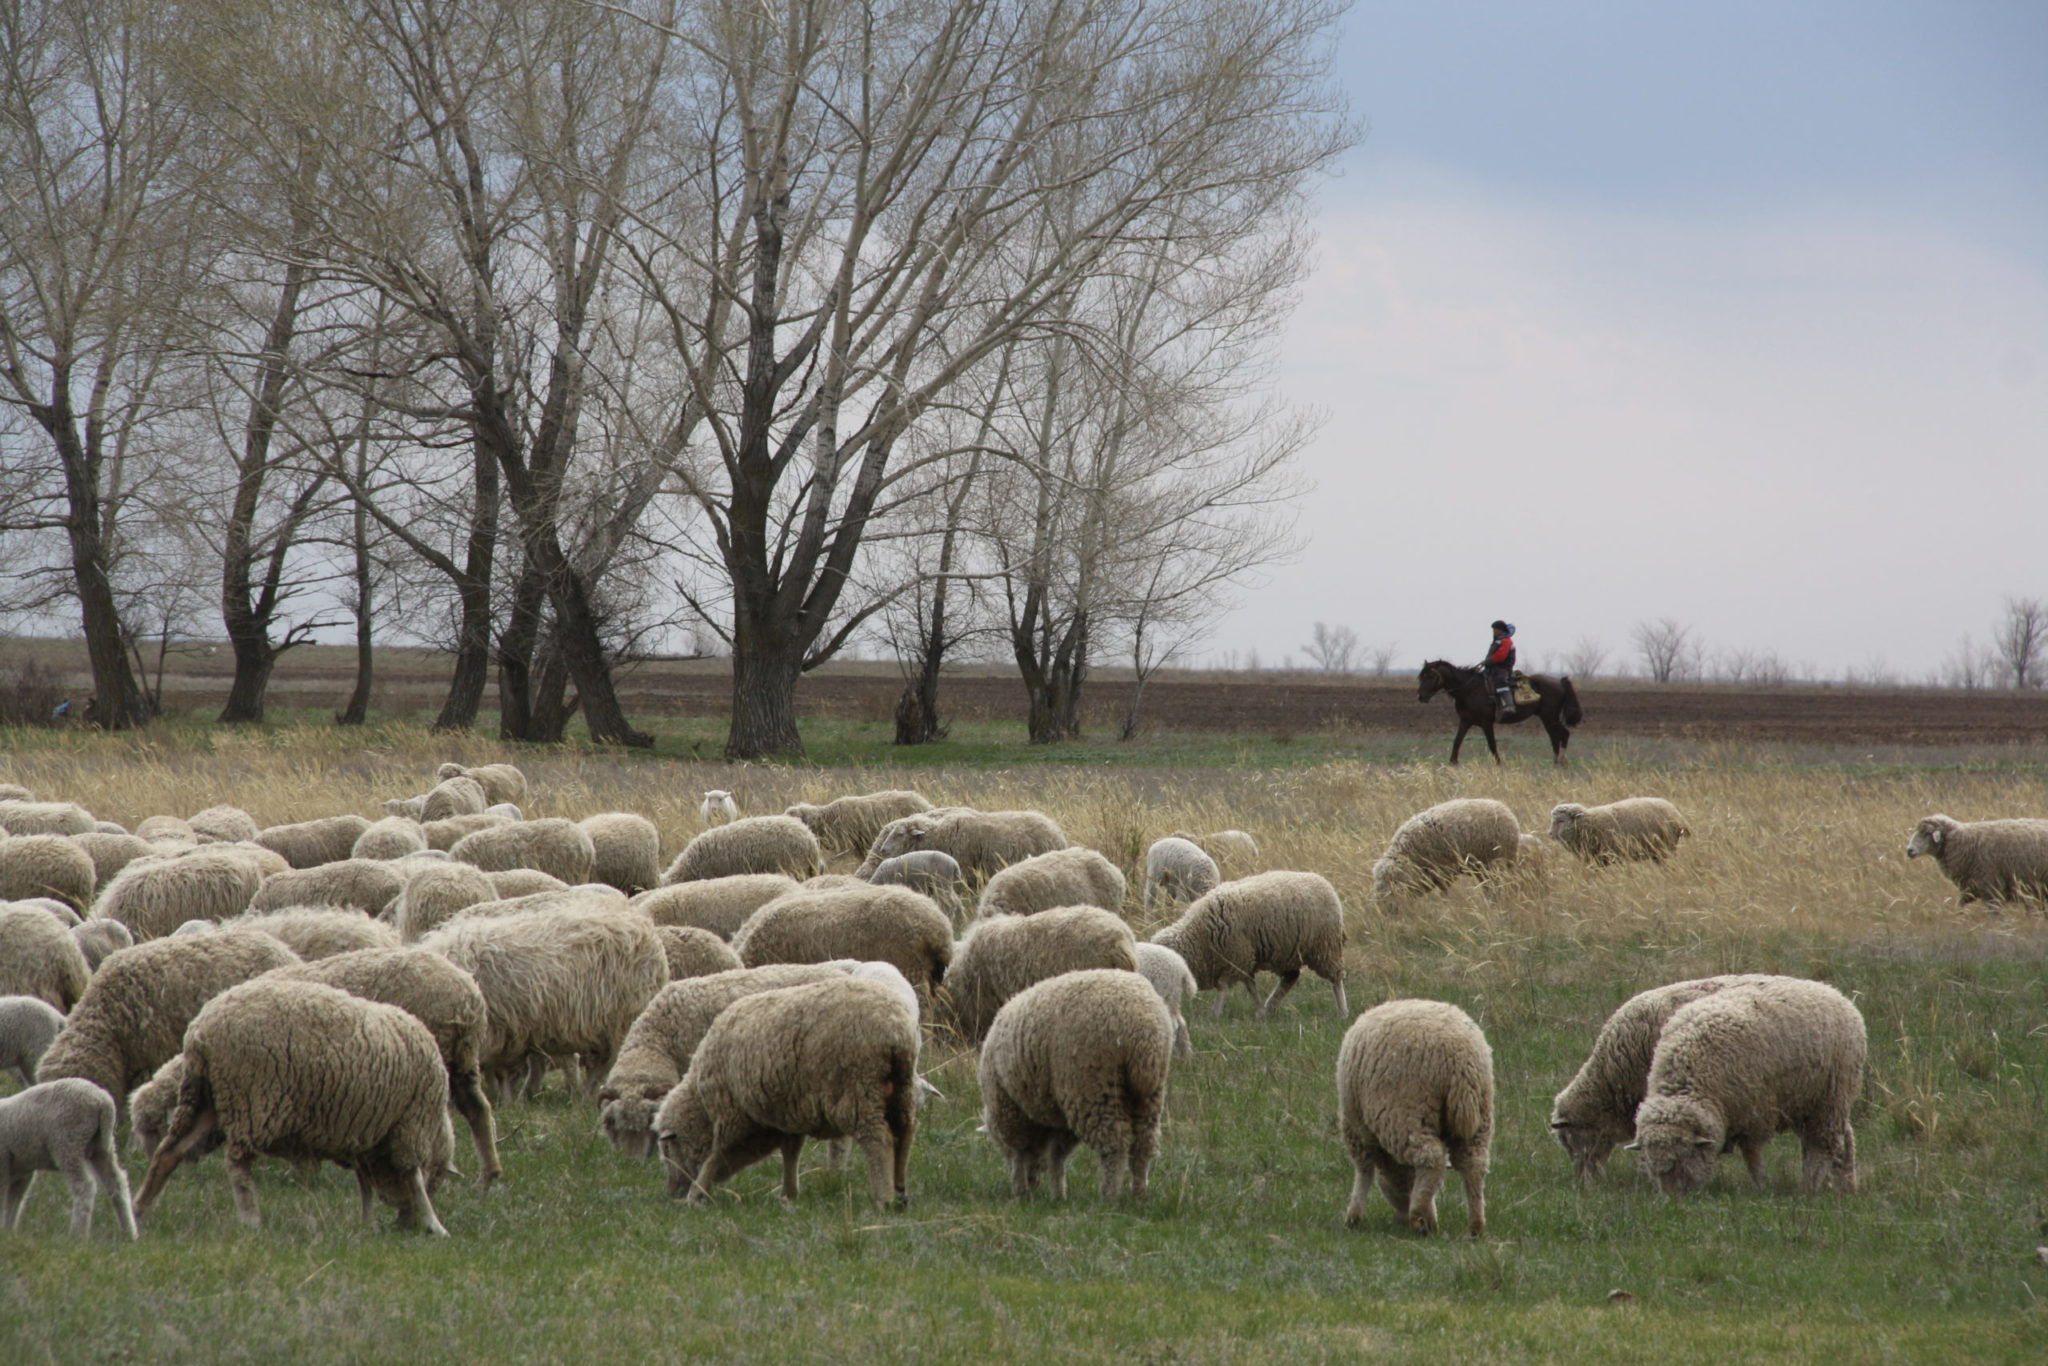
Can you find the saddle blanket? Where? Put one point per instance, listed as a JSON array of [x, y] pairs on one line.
[[1525, 691]]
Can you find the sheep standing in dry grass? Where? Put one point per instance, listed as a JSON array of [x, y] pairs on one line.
[[848, 825], [359, 884], [1433, 848], [625, 850], [433, 894], [46, 865], [1734, 1068], [754, 844], [559, 848], [1236, 852], [1630, 829], [1001, 956], [316, 932], [500, 782], [928, 872], [889, 924], [391, 838], [62, 1126], [1168, 973], [308, 844], [444, 835], [300, 1070], [983, 843], [718, 808], [1279, 922], [719, 904], [45, 818], [154, 897], [1064, 877], [111, 853], [1178, 869], [224, 825], [1414, 1101], [1078, 1058], [39, 957], [28, 1025], [1994, 861]]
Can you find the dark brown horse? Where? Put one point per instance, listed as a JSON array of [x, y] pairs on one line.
[[1557, 705]]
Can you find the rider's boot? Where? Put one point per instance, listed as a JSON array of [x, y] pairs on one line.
[[1507, 700]]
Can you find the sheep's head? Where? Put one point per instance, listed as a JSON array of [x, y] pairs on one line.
[[803, 811], [1678, 1140], [899, 837], [1930, 836], [447, 771], [628, 1122], [1391, 877], [682, 1135], [409, 807], [1586, 1144], [1564, 821]]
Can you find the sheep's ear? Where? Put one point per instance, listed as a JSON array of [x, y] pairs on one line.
[[1703, 1143], [1937, 835], [1631, 1147], [1559, 1124]]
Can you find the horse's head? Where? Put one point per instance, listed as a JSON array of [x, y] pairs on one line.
[[1433, 679]]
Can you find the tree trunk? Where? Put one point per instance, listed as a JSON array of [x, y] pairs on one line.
[[1053, 675], [553, 705], [516, 646], [358, 709], [118, 701], [255, 657], [473, 589], [576, 627], [763, 701]]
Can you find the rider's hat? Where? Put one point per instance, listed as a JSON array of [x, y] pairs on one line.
[[1503, 626]]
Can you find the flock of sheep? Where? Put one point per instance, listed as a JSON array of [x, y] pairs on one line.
[[331, 990]]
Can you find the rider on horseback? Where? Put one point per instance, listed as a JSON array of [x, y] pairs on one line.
[[1499, 666]]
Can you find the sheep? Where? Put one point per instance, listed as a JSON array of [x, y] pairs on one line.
[[511, 882], [1179, 869], [133, 1015], [835, 1059], [107, 827], [166, 829], [753, 844], [556, 847], [500, 782], [1168, 973], [359, 884], [848, 825], [505, 810], [1415, 1100], [1994, 861], [1632, 828], [40, 958], [1236, 852], [316, 932], [1597, 1108], [444, 835], [266, 862], [27, 1025], [982, 842], [156, 897], [305, 1070], [590, 898], [1064, 877], [111, 853], [457, 796], [97, 938], [65, 916], [224, 825], [892, 924], [194, 927], [1532, 859], [45, 865], [45, 818], [1001, 956], [1747, 1062], [719, 904], [393, 837], [718, 808], [432, 894], [692, 952], [308, 844], [930, 871], [626, 850], [1277, 922], [1078, 1058], [1432, 848], [62, 1126], [15, 792], [440, 996], [558, 983], [657, 1049]]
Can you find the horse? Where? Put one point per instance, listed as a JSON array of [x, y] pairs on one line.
[[1557, 705]]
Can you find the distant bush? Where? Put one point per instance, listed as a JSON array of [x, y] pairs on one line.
[[29, 693]]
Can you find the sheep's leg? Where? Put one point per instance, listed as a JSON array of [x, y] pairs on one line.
[[243, 1186], [420, 1207], [1183, 1044], [877, 1145], [596, 1066], [1251, 989], [1422, 1199], [12, 1198], [1343, 1002], [114, 1181], [1395, 1182], [1280, 990], [1058, 1148], [1023, 1171], [835, 1154], [536, 1073], [1222, 994], [1144, 1148], [790, 1148], [1361, 1186], [366, 1196], [466, 1094], [1845, 1161], [175, 1148], [904, 1133], [1753, 1157], [1474, 1173]]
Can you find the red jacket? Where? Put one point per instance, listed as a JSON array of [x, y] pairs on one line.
[[1502, 654]]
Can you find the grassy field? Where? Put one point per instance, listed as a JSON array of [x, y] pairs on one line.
[[1239, 1252]]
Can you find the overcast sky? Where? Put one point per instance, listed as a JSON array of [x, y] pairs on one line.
[[1731, 313]]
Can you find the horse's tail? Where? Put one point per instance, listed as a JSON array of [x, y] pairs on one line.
[[1572, 714]]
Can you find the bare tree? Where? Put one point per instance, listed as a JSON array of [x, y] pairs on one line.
[[1664, 647], [2020, 639], [1969, 666], [1379, 658], [1586, 658], [1332, 648]]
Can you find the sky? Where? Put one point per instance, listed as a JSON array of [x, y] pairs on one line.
[[1735, 314]]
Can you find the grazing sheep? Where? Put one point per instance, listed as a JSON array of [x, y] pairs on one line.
[[15, 792], [40, 958], [1994, 861], [719, 904], [1065, 877], [359, 884], [391, 838], [590, 898], [1747, 1062], [1168, 973], [224, 825], [1532, 859], [45, 818], [166, 830], [62, 1126], [111, 853], [133, 1016], [501, 782], [66, 917], [457, 796], [266, 862], [982, 842], [999, 957], [508, 810], [444, 835], [848, 825], [1078, 1058], [153, 898], [626, 850], [97, 938], [1236, 852], [308, 844], [1433, 848], [753, 844], [511, 882], [46, 866], [316, 932], [434, 893], [1597, 1108], [1415, 1100], [718, 808], [832, 1060], [306, 1071], [1179, 869], [195, 927], [694, 953], [891, 924], [929, 871], [657, 1049], [1632, 828], [1277, 922], [556, 847], [27, 1025]]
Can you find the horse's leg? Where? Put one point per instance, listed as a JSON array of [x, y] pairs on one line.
[[1463, 726], [1491, 747], [1558, 736]]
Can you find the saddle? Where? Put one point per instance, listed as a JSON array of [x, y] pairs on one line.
[[1525, 691]]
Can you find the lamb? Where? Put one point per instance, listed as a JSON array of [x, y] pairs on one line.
[[308, 844], [393, 837], [982, 842], [692, 952], [626, 850], [62, 1126], [359, 884], [40, 958], [891, 924], [45, 818], [27, 1026], [97, 938], [1994, 861], [1597, 1108], [156, 897], [46, 865], [1414, 1100], [305, 1070], [848, 825], [111, 853], [511, 882], [133, 1016], [835, 1059], [657, 1049], [720, 904], [718, 808], [1064, 877], [445, 834], [999, 957], [556, 847], [1179, 869], [224, 825], [1078, 1058], [1277, 922], [1168, 973], [1433, 848], [316, 932], [433, 894], [500, 782], [930, 871], [1632, 828], [1736, 1067], [753, 844]]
